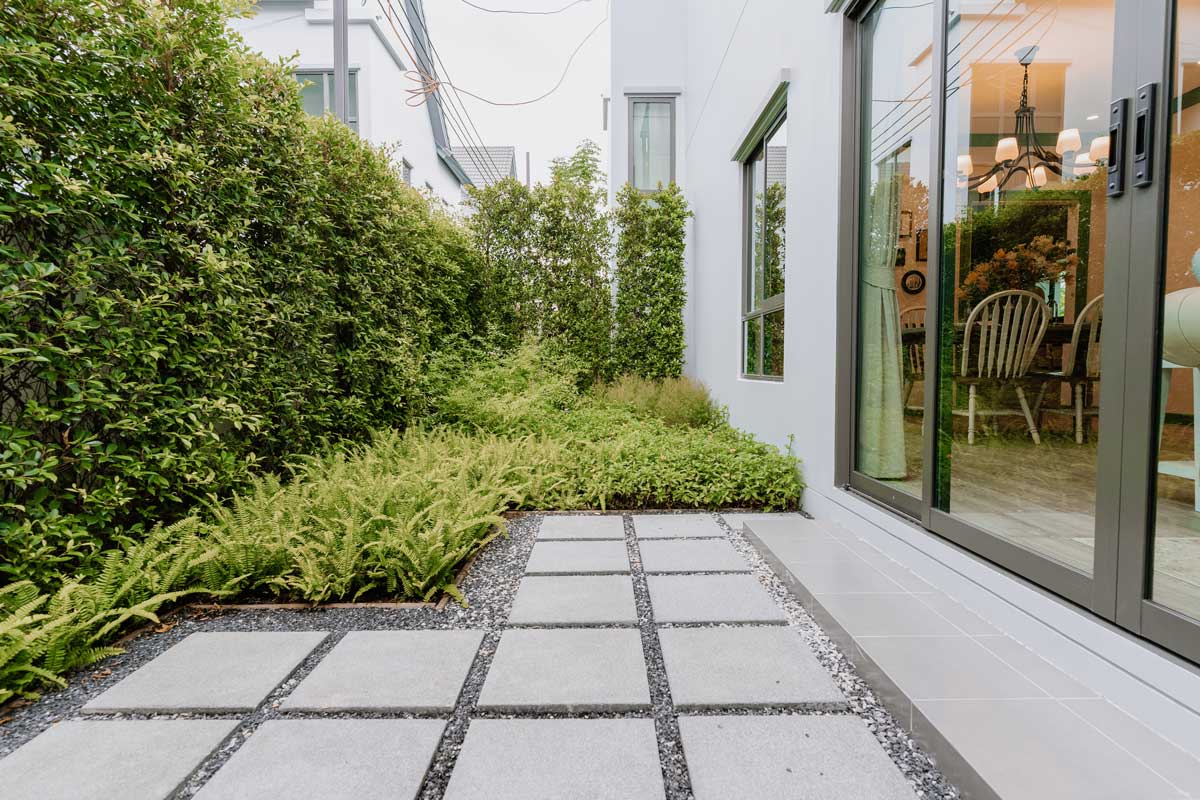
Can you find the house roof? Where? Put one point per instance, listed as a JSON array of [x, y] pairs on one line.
[[433, 102], [481, 163]]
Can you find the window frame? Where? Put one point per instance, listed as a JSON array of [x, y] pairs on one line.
[[775, 121], [406, 171], [326, 83], [669, 99]]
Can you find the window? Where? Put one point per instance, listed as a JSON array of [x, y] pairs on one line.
[[651, 142], [316, 93], [765, 226], [406, 171]]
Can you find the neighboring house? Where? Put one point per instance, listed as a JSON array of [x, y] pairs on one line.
[[865, 177], [486, 165], [379, 60]]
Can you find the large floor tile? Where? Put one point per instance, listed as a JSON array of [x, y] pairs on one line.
[[581, 527], [389, 671], [1167, 759], [885, 615], [555, 759], [578, 558], [711, 598], [842, 577], [567, 669], [1048, 677], [945, 667], [110, 759], [691, 555], [676, 526], [816, 758], [212, 671], [744, 666], [567, 600], [329, 759], [1038, 748]]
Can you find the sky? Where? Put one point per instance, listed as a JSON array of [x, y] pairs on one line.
[[516, 57]]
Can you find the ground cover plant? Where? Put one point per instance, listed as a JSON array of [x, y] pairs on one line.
[[396, 518]]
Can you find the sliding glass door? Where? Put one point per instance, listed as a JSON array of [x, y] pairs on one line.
[[1026, 292]]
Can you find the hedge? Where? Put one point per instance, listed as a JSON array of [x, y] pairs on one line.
[[199, 281]]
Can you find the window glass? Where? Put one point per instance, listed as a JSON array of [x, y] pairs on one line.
[[775, 213], [893, 240], [773, 344], [1022, 273], [651, 122], [316, 94], [756, 174]]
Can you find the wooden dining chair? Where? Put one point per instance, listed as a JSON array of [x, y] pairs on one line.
[[1082, 359], [914, 352], [1001, 338]]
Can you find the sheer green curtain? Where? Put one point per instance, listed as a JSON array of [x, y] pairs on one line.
[[880, 379]]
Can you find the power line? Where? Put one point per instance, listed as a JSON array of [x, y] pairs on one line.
[[518, 11], [428, 40], [432, 85], [405, 41]]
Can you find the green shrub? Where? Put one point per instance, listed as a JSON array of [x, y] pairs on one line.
[[196, 279], [676, 401], [648, 338]]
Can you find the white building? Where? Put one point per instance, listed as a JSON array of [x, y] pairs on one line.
[[865, 176], [382, 50]]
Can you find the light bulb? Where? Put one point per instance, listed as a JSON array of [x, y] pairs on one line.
[[988, 186], [965, 165], [1098, 150], [1040, 177], [1006, 149], [1068, 140]]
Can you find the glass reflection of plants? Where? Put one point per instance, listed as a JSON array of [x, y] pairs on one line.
[[770, 218], [1044, 260]]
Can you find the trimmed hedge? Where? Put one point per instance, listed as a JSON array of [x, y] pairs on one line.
[[198, 280]]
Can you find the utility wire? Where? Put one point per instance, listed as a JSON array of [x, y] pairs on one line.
[[433, 55], [530, 13], [419, 96]]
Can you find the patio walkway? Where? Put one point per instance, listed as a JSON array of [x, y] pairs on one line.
[[616, 618]]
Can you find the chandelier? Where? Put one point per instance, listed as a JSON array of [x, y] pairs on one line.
[[1022, 154]]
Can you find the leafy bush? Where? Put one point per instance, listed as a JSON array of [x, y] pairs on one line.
[[196, 279], [676, 401], [649, 335]]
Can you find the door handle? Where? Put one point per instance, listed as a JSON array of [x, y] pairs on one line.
[[1116, 146], [1143, 134]]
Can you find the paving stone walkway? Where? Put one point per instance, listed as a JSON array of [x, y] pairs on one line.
[[627, 636]]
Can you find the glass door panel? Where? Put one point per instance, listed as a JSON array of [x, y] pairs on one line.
[[1028, 88], [893, 245], [1175, 575]]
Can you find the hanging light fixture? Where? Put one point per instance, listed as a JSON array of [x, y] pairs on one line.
[[1021, 153]]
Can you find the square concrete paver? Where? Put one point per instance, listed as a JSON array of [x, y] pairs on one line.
[[676, 526], [568, 670], [329, 759], [213, 671], [744, 667], [691, 555], [581, 527], [830, 758], [109, 759], [711, 598], [389, 671], [567, 600], [554, 759], [578, 558]]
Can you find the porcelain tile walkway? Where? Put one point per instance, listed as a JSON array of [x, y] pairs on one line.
[[567, 708]]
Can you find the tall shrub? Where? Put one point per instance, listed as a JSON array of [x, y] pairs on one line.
[[196, 279], [649, 332]]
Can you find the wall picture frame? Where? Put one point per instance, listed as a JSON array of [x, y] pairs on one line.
[[906, 224]]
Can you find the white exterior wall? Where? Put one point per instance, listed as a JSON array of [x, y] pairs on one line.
[[680, 43], [300, 32]]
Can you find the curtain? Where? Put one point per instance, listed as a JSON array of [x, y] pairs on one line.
[[880, 378]]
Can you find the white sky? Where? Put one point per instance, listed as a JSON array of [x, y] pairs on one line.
[[512, 57]]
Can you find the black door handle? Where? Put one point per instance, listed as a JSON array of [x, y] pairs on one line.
[[1116, 146], [1143, 135]]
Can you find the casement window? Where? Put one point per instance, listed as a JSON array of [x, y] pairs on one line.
[[765, 258], [316, 93], [651, 142]]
